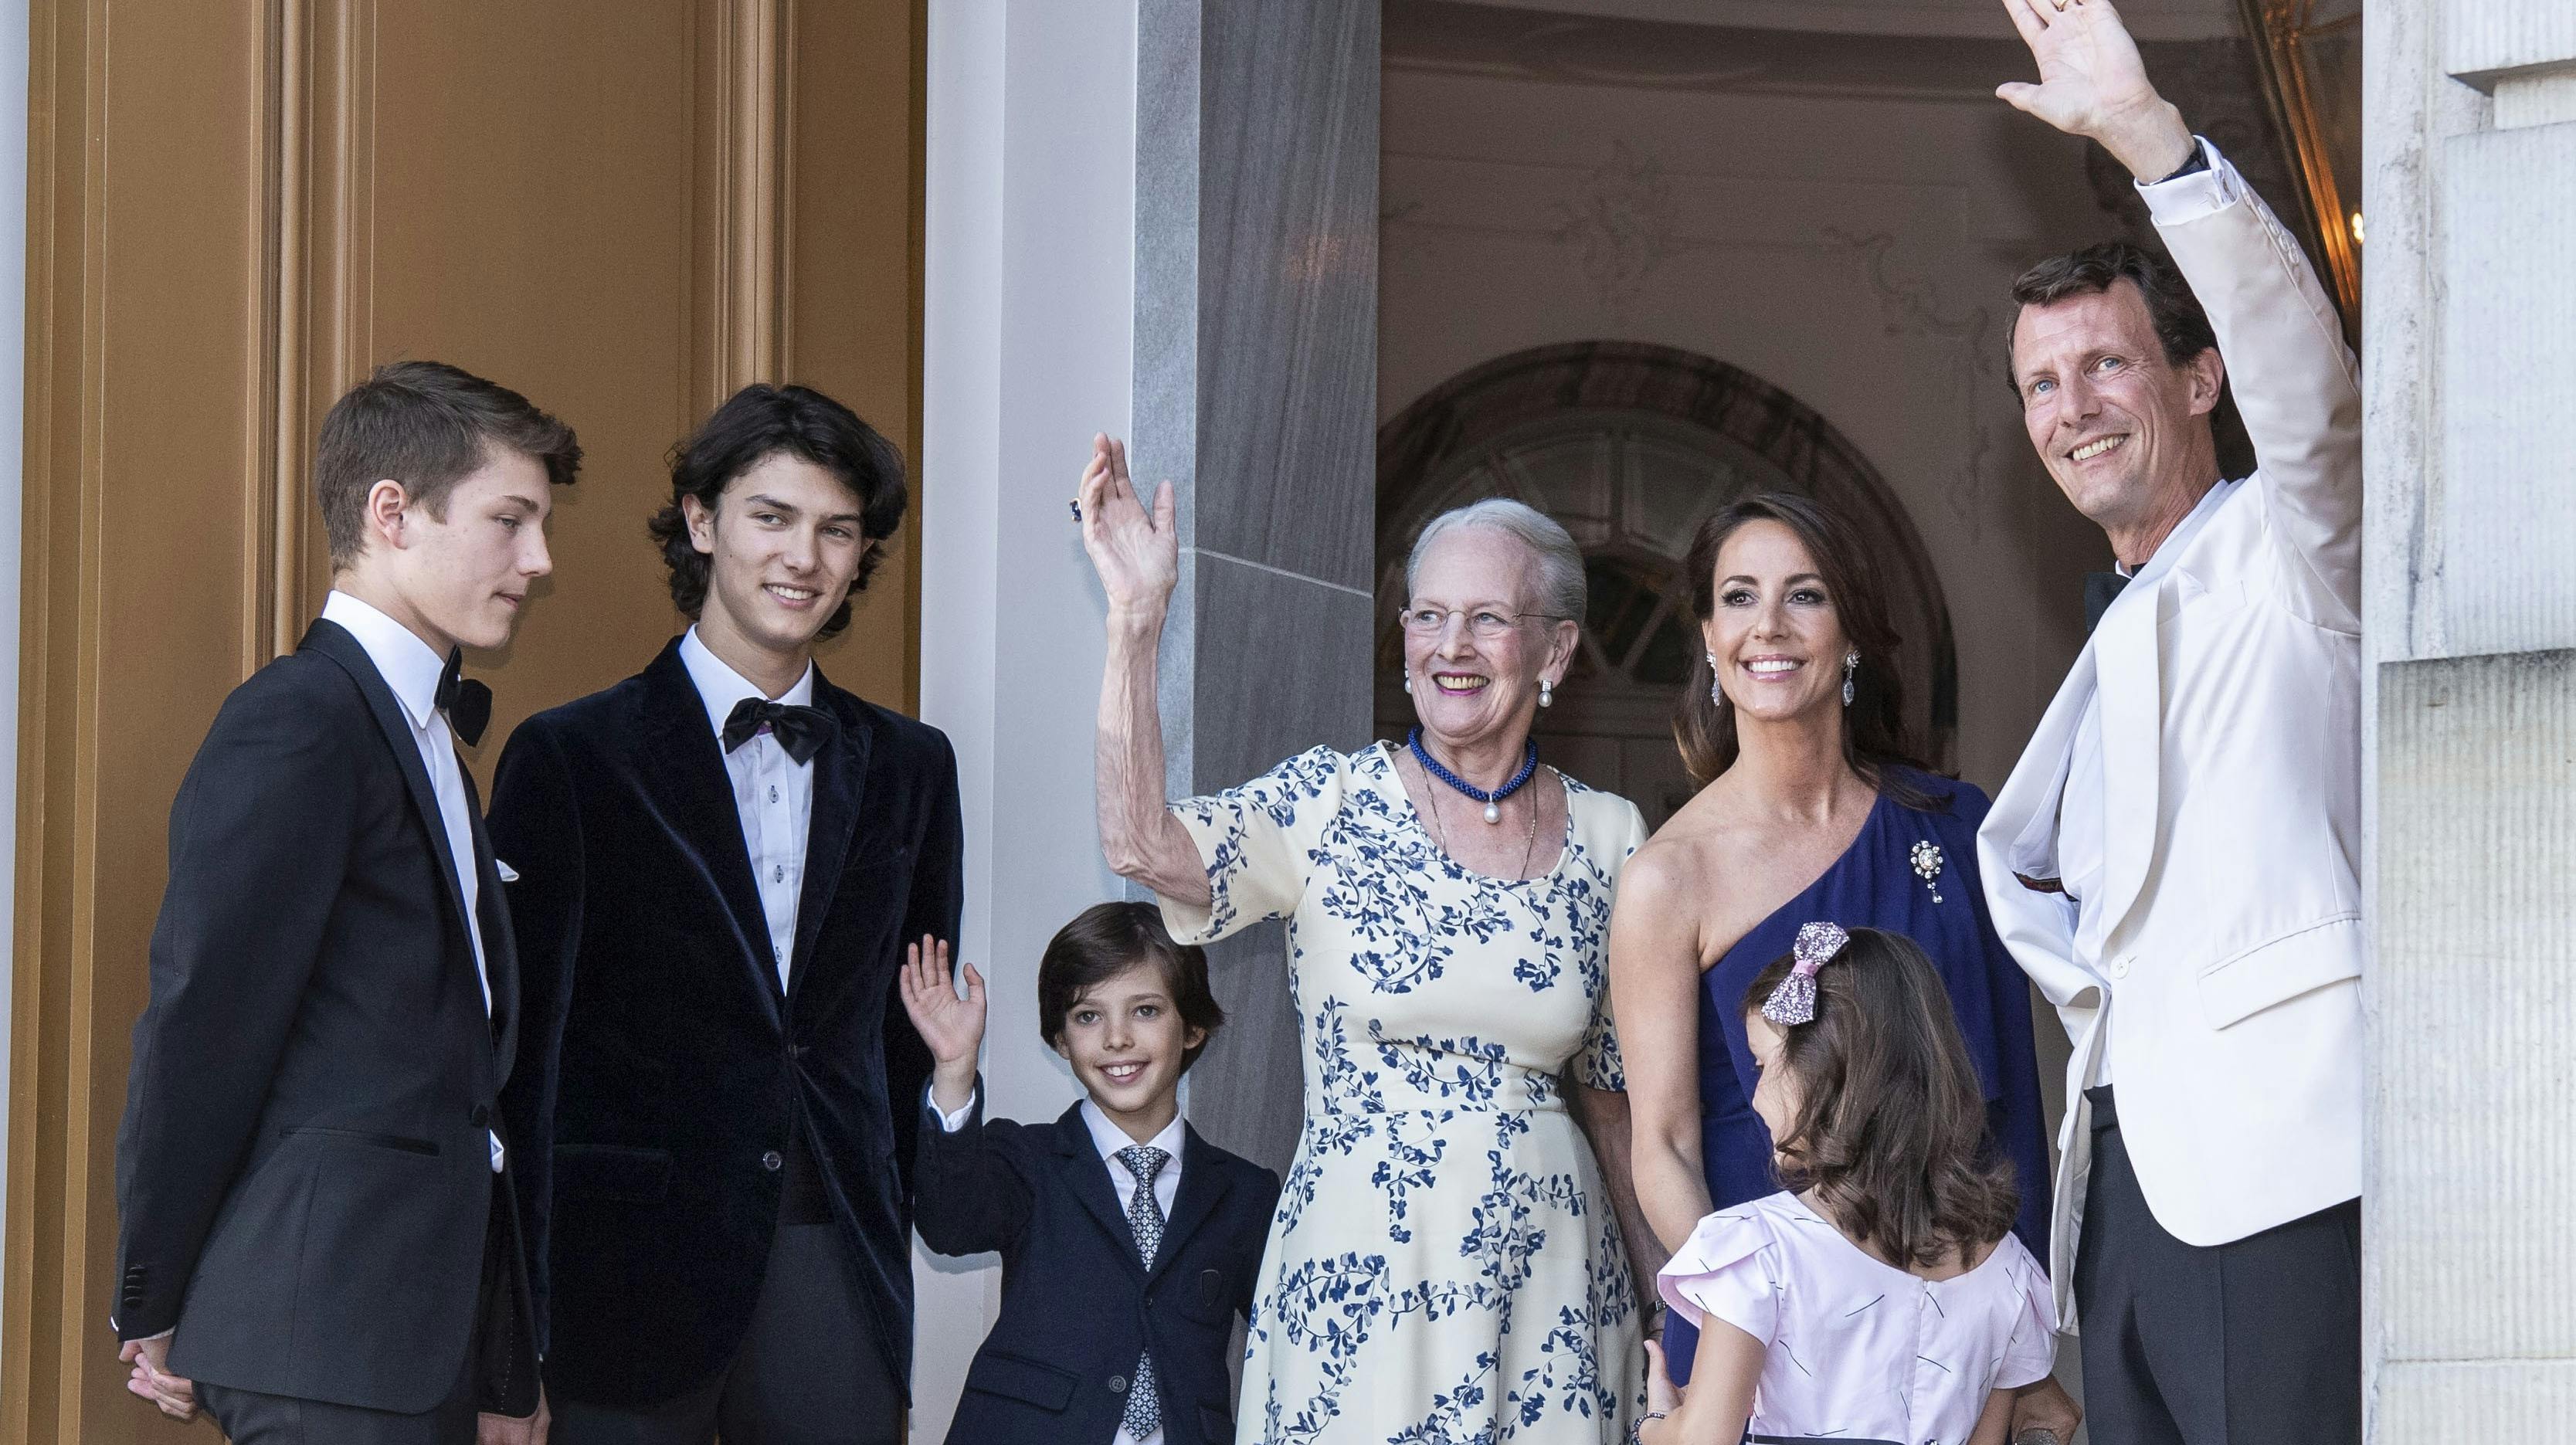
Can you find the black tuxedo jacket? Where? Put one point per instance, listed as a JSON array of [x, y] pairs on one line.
[[1079, 1305], [664, 1080], [303, 1175]]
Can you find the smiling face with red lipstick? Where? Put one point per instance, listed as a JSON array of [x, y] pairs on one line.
[[1777, 638]]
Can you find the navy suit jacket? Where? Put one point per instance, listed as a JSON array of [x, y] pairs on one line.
[[1079, 1305], [665, 1084]]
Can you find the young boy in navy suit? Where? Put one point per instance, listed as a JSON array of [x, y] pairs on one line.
[[1128, 1242]]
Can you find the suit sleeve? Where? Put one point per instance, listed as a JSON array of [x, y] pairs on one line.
[[971, 1199], [536, 827], [261, 835], [1248, 1282], [2295, 381], [938, 899]]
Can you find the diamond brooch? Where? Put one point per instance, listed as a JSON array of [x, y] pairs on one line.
[[1927, 866]]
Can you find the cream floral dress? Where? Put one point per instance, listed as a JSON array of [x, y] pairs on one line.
[[1444, 1266]]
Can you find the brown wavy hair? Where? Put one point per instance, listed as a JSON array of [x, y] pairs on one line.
[[1874, 733], [1890, 1130]]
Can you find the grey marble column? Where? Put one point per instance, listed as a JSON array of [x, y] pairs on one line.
[[1256, 393], [2469, 314]]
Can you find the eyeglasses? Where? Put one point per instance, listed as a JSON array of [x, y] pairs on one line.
[[1484, 624]]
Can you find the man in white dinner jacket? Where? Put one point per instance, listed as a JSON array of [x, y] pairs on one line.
[[2174, 858]]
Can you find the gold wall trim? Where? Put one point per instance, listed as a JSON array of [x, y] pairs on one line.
[[747, 195]]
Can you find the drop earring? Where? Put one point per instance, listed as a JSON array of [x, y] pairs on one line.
[[1851, 665], [1408, 684], [1716, 694], [1546, 693]]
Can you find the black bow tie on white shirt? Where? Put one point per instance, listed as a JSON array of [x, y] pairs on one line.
[[802, 731], [467, 703]]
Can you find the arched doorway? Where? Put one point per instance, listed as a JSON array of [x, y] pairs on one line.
[[1630, 446]]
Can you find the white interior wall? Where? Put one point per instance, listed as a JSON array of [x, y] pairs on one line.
[[1856, 251], [1029, 285]]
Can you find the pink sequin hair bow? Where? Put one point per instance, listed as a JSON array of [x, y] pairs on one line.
[[1794, 1001]]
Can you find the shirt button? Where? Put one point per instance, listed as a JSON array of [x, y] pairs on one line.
[[777, 872], [1118, 1384], [771, 1161], [2119, 968], [773, 792]]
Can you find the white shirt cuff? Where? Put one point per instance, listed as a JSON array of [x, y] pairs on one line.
[[2202, 193], [951, 1123]]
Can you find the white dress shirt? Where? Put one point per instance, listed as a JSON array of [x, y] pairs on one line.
[[1108, 1138], [411, 670], [773, 793]]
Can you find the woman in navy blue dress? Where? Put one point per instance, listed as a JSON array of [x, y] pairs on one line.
[[1812, 807]]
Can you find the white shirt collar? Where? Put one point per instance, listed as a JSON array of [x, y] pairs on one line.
[[1108, 1138], [2180, 537], [407, 664], [721, 688]]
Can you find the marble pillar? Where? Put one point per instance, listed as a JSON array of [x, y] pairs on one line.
[[1158, 219], [2469, 316], [1256, 393]]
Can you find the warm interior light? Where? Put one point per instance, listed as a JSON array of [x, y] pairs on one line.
[[2356, 228]]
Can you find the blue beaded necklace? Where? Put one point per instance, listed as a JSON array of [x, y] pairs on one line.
[[1493, 800]]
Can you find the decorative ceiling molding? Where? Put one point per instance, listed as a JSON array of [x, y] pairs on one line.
[[1474, 37], [1969, 19]]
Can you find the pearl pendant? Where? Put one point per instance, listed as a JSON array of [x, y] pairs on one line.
[[1493, 812]]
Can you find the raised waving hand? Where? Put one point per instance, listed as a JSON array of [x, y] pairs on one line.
[[953, 1027], [1137, 552], [2092, 83]]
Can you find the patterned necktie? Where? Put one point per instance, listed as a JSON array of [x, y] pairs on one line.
[[1145, 1220]]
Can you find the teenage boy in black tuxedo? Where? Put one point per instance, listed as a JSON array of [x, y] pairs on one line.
[[313, 1242], [1128, 1243], [718, 862]]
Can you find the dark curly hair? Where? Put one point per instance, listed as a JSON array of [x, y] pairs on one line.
[[759, 422], [1891, 1123]]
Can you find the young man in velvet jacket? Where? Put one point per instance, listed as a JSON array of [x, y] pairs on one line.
[[718, 861]]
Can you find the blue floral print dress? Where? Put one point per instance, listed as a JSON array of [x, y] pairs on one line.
[[1445, 1266]]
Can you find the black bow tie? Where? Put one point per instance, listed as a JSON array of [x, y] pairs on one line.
[[467, 703], [802, 731], [2100, 588]]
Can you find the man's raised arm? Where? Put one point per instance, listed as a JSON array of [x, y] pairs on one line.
[[2295, 382]]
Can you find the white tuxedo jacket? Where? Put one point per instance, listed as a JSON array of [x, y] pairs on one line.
[[2229, 975]]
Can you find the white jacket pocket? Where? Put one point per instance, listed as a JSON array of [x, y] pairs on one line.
[[2273, 972]]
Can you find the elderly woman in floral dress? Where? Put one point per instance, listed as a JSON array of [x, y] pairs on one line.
[[1447, 1261]]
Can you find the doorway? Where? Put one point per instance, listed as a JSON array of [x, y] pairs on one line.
[[1630, 446]]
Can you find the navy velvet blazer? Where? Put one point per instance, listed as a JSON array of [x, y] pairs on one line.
[[662, 1075], [1078, 1304]]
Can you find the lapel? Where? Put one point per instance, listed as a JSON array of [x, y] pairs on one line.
[[337, 643], [500, 945], [2127, 670], [1087, 1175], [1203, 1187], [688, 763], [2024, 817], [840, 784]]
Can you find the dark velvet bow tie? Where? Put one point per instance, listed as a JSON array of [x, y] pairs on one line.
[[2100, 590], [467, 703], [802, 731]]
